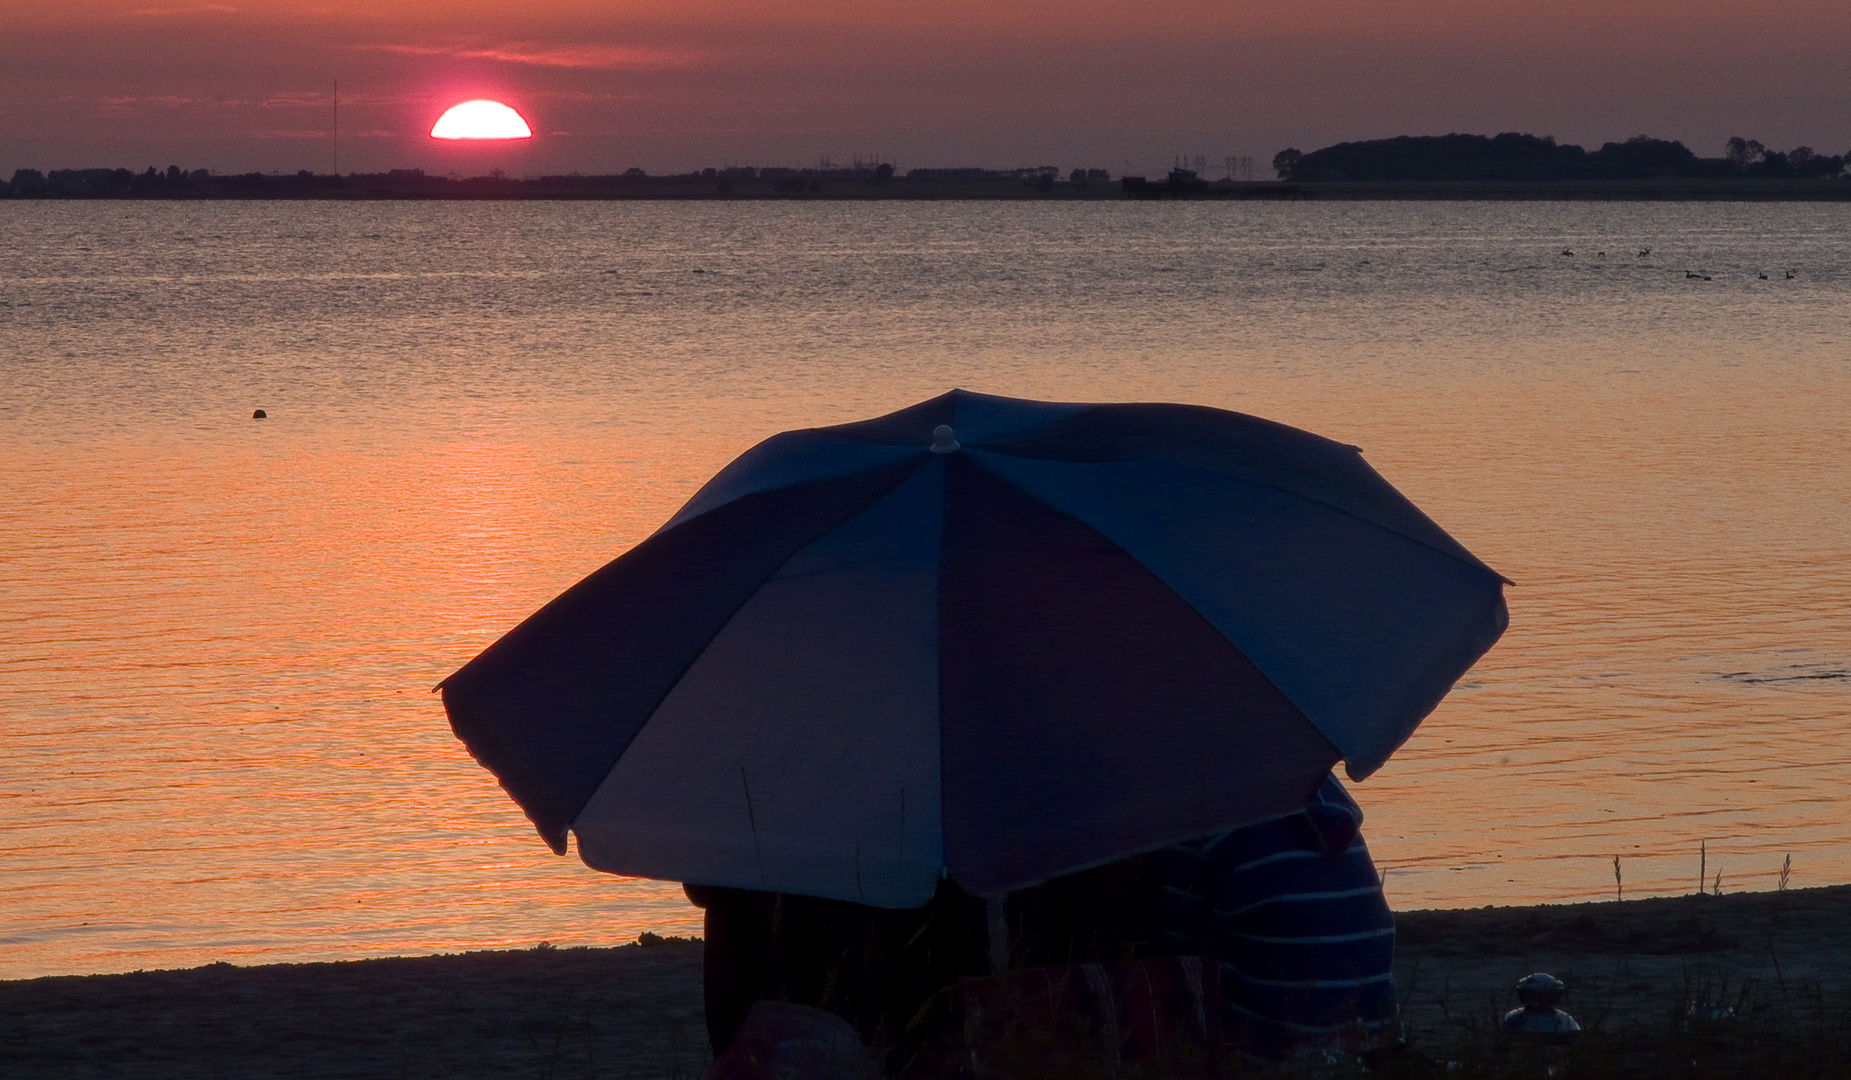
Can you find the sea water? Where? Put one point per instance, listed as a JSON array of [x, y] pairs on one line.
[[218, 635]]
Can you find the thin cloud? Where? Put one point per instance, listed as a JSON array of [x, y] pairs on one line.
[[300, 99], [164, 101], [536, 54], [184, 9], [578, 96]]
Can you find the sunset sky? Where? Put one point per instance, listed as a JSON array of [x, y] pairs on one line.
[[236, 85]]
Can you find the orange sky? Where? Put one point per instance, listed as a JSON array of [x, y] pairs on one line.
[[676, 84]]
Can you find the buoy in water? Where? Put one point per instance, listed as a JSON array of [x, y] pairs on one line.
[[259, 415]]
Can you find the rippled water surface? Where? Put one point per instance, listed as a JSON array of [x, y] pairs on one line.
[[218, 635]]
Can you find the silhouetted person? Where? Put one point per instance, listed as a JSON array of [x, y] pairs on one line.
[[1290, 911]]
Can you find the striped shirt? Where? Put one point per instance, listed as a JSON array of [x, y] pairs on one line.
[[1293, 911]]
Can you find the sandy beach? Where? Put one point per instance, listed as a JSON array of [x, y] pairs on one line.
[[1630, 964], [635, 1012]]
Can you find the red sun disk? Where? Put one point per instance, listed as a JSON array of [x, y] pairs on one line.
[[481, 119]]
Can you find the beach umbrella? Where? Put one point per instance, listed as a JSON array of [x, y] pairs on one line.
[[985, 638]]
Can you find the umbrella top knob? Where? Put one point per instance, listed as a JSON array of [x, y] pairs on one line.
[[944, 440]]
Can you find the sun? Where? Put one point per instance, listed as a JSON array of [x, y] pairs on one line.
[[481, 120]]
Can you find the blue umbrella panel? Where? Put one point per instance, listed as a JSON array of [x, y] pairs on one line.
[[993, 639]]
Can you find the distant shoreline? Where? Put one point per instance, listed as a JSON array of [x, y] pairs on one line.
[[1668, 190], [699, 188]]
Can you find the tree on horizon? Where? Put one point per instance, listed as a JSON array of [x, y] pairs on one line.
[[1515, 156]]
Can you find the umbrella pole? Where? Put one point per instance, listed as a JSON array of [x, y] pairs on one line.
[[998, 932]]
